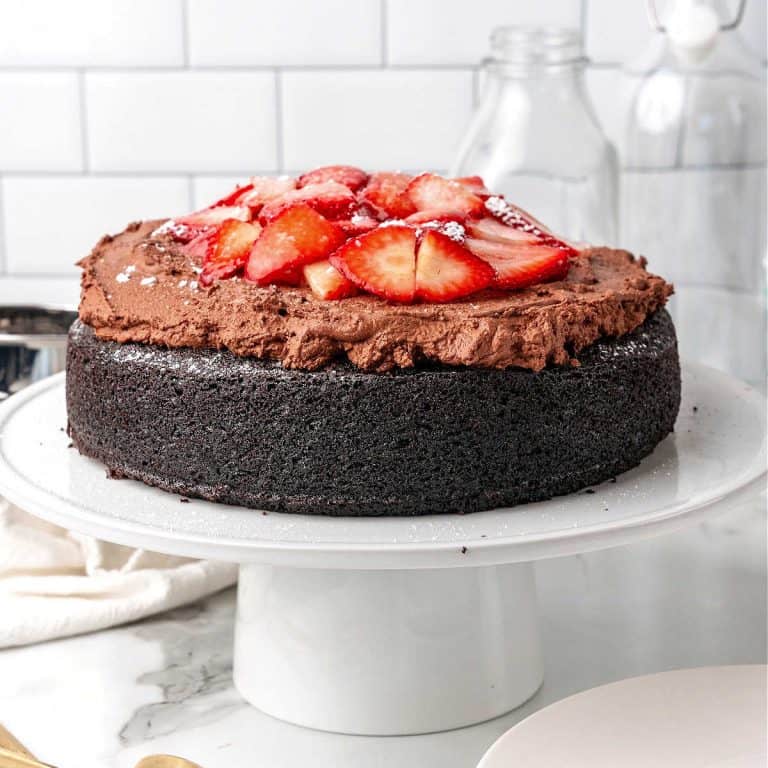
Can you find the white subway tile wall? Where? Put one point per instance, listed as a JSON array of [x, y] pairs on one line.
[[114, 110]]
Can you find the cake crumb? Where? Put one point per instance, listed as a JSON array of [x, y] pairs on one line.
[[463, 550], [184, 500]]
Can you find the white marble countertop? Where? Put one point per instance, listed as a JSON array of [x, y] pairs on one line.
[[694, 598]]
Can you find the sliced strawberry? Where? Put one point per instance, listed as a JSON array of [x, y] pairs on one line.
[[329, 198], [198, 246], [351, 177], [474, 184], [423, 217], [327, 282], [290, 276], [386, 193], [296, 237], [228, 248], [492, 229], [234, 196], [521, 264], [446, 270], [262, 189], [429, 191], [186, 228], [383, 262], [357, 224]]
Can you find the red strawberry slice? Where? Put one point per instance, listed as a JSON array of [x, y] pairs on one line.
[[446, 270], [424, 217], [521, 264], [383, 262], [186, 228], [429, 191], [227, 249], [329, 198], [357, 224], [198, 246], [474, 184], [351, 177], [296, 237], [492, 229], [262, 189], [234, 196], [327, 282], [386, 192]]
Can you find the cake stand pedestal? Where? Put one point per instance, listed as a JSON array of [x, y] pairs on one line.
[[392, 625]]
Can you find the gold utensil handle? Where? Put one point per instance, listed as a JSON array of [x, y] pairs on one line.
[[10, 759], [12, 744], [13, 754], [165, 761]]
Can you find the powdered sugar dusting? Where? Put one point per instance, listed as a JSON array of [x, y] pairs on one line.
[[451, 229], [171, 227], [123, 277], [501, 209], [148, 280]]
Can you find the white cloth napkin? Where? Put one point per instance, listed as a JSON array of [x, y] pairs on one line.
[[56, 583]]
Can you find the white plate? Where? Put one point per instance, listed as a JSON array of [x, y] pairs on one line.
[[716, 450], [710, 717]]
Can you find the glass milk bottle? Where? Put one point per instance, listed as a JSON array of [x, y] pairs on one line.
[[535, 138], [694, 178]]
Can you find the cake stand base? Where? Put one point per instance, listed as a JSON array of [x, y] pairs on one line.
[[393, 625], [387, 652]]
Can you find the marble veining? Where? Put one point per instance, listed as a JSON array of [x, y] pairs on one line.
[[692, 598]]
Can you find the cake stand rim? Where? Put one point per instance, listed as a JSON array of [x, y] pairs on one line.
[[371, 556]]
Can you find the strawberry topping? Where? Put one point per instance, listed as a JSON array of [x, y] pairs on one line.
[[297, 236], [227, 249], [430, 215], [386, 192], [339, 231], [429, 191], [446, 270], [383, 262], [262, 189], [352, 178], [329, 198], [186, 228], [521, 264], [327, 282]]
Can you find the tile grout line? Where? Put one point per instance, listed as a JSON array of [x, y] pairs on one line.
[[191, 191], [384, 32], [3, 238], [243, 68], [85, 160], [279, 145], [146, 174], [185, 33]]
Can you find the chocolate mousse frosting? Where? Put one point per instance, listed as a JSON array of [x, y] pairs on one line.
[[137, 287]]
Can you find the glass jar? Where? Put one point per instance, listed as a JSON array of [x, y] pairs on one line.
[[694, 182], [535, 138]]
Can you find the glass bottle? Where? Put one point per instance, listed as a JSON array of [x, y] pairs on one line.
[[535, 138], [694, 181]]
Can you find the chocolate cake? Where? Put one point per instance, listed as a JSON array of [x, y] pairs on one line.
[[350, 345]]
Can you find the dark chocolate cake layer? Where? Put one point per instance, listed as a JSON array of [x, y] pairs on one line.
[[342, 441]]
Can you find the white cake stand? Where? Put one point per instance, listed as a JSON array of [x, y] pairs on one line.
[[394, 625]]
